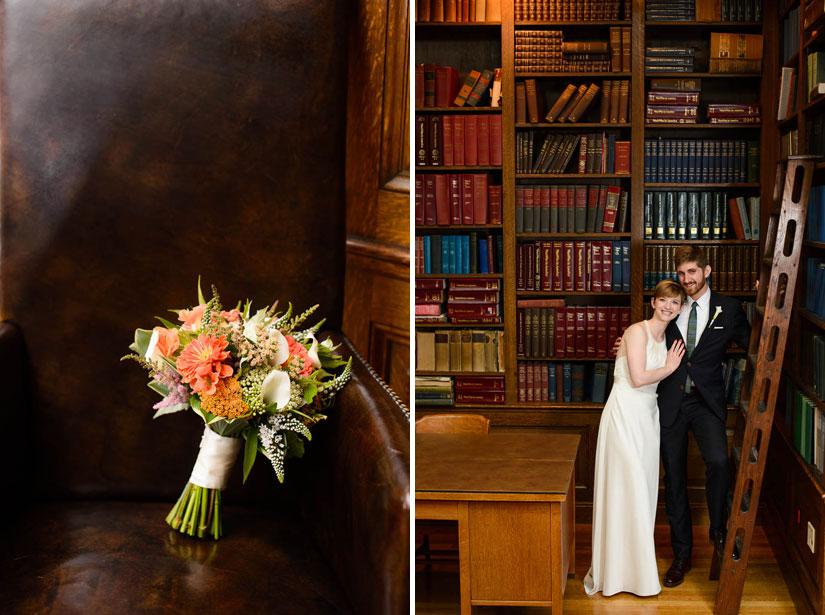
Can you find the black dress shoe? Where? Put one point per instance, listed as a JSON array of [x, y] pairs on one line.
[[717, 537], [676, 573]]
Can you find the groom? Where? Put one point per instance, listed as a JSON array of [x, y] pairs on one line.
[[693, 398]]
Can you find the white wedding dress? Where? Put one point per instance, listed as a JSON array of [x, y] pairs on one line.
[[626, 483]]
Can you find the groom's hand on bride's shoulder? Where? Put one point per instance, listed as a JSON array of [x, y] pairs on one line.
[[616, 345]]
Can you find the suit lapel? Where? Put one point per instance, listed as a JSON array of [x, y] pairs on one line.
[[712, 305]]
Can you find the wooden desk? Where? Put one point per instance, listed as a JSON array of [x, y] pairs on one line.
[[513, 496]]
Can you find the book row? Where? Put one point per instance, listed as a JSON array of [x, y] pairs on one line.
[[573, 266], [591, 154], [469, 301], [565, 382], [468, 198], [815, 224], [458, 10], [438, 86], [748, 306], [701, 161], [438, 390], [703, 10], [569, 332], [808, 425], [457, 297], [458, 140], [475, 252], [733, 268], [564, 10], [571, 209], [816, 73], [459, 350], [573, 103], [733, 372], [815, 286], [669, 59], [546, 51], [814, 371], [790, 35], [700, 215]]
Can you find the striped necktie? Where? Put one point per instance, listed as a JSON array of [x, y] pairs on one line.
[[690, 343]]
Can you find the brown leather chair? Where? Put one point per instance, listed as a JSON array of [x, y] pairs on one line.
[[145, 144], [447, 532]]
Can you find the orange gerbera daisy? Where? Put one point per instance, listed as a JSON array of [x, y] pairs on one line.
[[201, 364], [299, 356]]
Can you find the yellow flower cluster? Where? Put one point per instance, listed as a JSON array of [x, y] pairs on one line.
[[226, 401]]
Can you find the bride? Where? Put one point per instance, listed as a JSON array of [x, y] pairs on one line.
[[627, 455]]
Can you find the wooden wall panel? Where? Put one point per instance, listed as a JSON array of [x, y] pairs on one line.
[[376, 312]]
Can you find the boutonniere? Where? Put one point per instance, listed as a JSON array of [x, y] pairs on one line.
[[718, 311]]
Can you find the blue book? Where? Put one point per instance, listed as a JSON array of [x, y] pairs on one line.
[[617, 266], [482, 256], [599, 383], [567, 382], [445, 253], [820, 290], [453, 259], [427, 255], [551, 382], [459, 254], [626, 266], [811, 282], [648, 147], [465, 252]]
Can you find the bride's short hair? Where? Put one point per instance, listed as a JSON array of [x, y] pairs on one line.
[[671, 289]]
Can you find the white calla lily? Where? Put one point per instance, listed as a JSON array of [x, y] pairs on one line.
[[328, 343], [251, 324], [150, 350], [282, 353], [313, 352], [276, 389]]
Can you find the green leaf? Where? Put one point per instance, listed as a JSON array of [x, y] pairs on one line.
[[157, 387], [310, 391], [228, 429], [142, 339], [201, 300], [195, 402], [170, 409], [294, 445], [250, 451], [166, 323]]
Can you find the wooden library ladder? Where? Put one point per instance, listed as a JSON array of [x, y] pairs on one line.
[[774, 302]]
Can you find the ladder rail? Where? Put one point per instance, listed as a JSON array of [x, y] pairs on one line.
[[777, 283]]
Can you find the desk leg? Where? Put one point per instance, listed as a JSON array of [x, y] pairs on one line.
[[464, 556]]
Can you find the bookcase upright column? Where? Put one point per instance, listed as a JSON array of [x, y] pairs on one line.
[[637, 160], [508, 121]]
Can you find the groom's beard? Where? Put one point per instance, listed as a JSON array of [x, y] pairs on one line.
[[697, 287]]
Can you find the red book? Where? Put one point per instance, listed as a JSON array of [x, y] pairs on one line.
[[467, 199], [456, 197], [546, 266], [570, 334], [472, 310], [446, 86], [624, 318], [590, 319], [470, 140], [543, 204], [476, 320], [622, 157], [429, 296], [595, 266], [458, 140], [583, 154], [419, 199], [495, 141], [494, 202], [479, 383], [601, 332], [581, 266], [430, 284], [419, 86], [544, 381], [554, 207], [483, 141], [611, 208], [519, 266], [563, 209], [429, 84], [479, 397], [480, 205], [520, 333], [529, 381], [422, 141], [540, 303], [612, 328], [558, 265], [428, 309], [429, 199], [442, 199], [447, 121], [491, 255], [436, 136], [561, 329], [736, 219], [581, 332], [474, 284], [569, 267], [607, 266], [522, 382]]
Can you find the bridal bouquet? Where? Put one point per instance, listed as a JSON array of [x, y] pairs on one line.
[[258, 382]]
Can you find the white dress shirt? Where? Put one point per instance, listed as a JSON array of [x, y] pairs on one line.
[[702, 312]]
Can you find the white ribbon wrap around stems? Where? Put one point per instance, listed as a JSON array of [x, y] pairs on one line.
[[215, 460]]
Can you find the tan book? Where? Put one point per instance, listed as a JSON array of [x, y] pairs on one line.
[[560, 103], [624, 98], [532, 101], [521, 103], [478, 358], [490, 351], [735, 65], [735, 45], [615, 94], [585, 47], [466, 348], [604, 111], [493, 10], [680, 85], [572, 103], [708, 10], [481, 11], [442, 351], [437, 10], [423, 10], [425, 351], [580, 109], [450, 11], [625, 50], [455, 351], [615, 49]]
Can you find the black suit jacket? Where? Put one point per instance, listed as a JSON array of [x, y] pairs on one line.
[[704, 364]]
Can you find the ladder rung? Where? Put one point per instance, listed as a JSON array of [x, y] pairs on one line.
[[767, 261], [759, 310]]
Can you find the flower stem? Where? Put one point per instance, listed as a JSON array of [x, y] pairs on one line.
[[197, 512]]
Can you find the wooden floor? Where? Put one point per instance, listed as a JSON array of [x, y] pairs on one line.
[[766, 589]]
